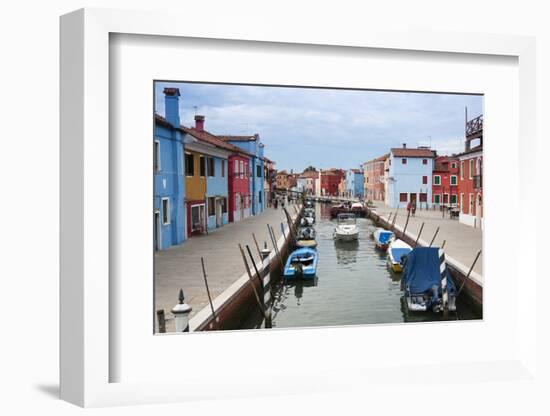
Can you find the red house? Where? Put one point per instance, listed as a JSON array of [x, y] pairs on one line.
[[471, 175], [330, 180], [239, 187], [445, 181]]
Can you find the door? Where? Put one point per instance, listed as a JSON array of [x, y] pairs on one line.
[[218, 212], [156, 230], [413, 198], [237, 214]]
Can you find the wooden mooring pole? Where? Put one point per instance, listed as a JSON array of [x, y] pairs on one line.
[[406, 224], [469, 272], [418, 236], [274, 243], [251, 281], [208, 293], [257, 246], [433, 238]]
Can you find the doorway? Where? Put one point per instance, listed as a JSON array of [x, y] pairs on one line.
[[219, 214], [156, 230]]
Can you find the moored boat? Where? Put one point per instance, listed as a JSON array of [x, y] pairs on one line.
[[358, 209], [338, 209], [305, 237], [301, 263], [346, 228], [426, 281], [397, 250], [382, 238]]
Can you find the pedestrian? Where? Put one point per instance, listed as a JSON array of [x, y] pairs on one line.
[[409, 206], [413, 208], [276, 203]]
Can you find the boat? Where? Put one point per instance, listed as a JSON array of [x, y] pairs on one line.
[[358, 209], [426, 281], [397, 250], [382, 238], [309, 212], [301, 263], [338, 209], [307, 221], [306, 237], [346, 228]]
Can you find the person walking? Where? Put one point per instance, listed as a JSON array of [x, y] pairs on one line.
[[409, 206], [413, 208]]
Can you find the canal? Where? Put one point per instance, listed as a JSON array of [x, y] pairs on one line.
[[354, 286]]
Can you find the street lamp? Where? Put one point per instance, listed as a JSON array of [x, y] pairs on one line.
[[181, 314]]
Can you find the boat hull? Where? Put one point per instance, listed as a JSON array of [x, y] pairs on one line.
[[346, 236], [297, 268]]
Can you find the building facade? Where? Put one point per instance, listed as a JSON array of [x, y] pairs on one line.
[[330, 181], [445, 181], [375, 184], [471, 175], [410, 176], [169, 186], [239, 187]]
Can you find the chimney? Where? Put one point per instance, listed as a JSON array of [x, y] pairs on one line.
[[199, 123], [404, 145], [172, 106]]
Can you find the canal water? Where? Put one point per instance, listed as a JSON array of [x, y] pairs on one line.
[[354, 286]]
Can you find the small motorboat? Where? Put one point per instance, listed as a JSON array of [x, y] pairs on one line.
[[338, 209], [301, 263], [426, 281], [382, 238], [397, 252], [346, 227], [309, 212], [305, 237], [307, 221]]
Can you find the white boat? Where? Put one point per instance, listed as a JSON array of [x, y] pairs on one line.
[[396, 250], [346, 228]]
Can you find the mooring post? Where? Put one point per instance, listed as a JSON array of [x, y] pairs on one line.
[[433, 238], [274, 242], [406, 224], [257, 246], [161, 321], [393, 222], [214, 317], [389, 218], [181, 314], [469, 272], [444, 288], [418, 236], [251, 281], [443, 245], [268, 302]]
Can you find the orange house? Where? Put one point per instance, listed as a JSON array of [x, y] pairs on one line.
[[195, 188]]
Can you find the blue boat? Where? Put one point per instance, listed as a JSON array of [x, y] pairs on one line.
[[382, 238], [301, 263], [426, 281]]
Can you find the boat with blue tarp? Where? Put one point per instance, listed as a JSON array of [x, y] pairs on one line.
[[397, 251], [382, 238], [301, 263], [427, 282]]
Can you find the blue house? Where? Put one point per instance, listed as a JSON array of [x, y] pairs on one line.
[[169, 186], [410, 176], [355, 180], [255, 148]]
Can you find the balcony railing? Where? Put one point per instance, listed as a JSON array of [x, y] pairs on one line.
[[478, 181]]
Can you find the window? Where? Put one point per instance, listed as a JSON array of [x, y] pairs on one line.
[[211, 206], [453, 165], [462, 170], [224, 205], [258, 171], [403, 161], [211, 167], [189, 164], [403, 197], [424, 161], [241, 170], [471, 198], [223, 168], [236, 168], [202, 166], [165, 211], [453, 199], [437, 199], [471, 173], [424, 180], [260, 197], [462, 207], [156, 152], [423, 197], [453, 180], [437, 180]]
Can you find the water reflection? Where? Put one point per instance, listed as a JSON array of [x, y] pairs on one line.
[[346, 251]]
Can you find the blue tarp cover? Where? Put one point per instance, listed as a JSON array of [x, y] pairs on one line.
[[385, 236], [421, 271]]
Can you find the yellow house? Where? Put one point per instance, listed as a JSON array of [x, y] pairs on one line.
[[195, 189]]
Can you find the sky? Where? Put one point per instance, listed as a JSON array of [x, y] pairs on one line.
[[326, 127]]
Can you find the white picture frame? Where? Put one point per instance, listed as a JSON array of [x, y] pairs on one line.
[[86, 352]]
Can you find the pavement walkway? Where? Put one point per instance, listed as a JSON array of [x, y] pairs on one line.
[[462, 241], [180, 267]]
